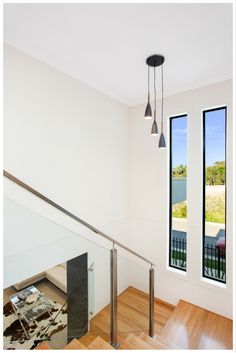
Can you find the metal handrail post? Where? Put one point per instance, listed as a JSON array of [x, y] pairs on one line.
[[151, 302], [113, 271]]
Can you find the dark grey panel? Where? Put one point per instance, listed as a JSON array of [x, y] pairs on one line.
[[77, 296]]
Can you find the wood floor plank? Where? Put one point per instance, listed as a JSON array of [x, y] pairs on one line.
[[192, 327], [186, 326], [124, 344], [138, 343], [75, 344], [90, 337], [132, 314], [158, 342], [99, 343], [141, 304], [154, 343], [43, 345]]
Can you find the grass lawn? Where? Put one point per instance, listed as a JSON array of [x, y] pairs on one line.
[[214, 264], [215, 209], [178, 255], [179, 210]]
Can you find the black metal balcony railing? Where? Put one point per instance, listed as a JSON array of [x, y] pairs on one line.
[[178, 253], [214, 259], [215, 262]]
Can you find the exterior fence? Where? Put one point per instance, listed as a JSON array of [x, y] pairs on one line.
[[178, 253], [215, 262], [214, 259]]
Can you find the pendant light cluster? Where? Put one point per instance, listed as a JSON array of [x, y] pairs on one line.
[[154, 61]]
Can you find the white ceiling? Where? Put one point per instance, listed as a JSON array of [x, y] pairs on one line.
[[105, 45]]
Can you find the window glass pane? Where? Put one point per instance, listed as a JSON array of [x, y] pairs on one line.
[[178, 194], [214, 181]]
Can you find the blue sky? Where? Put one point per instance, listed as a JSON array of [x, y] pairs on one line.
[[215, 138], [179, 141]]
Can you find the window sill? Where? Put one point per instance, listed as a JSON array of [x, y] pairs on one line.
[[211, 283], [201, 281], [176, 272]]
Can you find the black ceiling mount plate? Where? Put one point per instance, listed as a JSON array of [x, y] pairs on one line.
[[155, 60]]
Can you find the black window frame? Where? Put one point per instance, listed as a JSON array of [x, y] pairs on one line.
[[170, 193], [203, 189]]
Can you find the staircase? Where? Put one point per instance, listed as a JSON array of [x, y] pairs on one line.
[[97, 343], [133, 314], [132, 341], [185, 326], [192, 327]]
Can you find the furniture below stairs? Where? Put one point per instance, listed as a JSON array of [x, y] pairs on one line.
[[56, 275]]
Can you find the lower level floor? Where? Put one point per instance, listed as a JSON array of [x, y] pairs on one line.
[[183, 326]]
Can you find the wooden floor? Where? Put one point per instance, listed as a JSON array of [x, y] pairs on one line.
[[133, 311], [192, 327], [185, 326]]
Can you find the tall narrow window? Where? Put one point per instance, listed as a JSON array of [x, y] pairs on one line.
[[178, 194], [214, 195]]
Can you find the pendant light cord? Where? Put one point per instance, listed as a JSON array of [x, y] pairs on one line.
[[155, 93], [162, 100], [148, 84]]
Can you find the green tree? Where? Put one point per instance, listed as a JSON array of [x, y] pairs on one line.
[[215, 175], [180, 171]]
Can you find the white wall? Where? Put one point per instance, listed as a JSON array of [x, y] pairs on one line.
[[95, 157], [69, 142], [65, 138], [148, 192]]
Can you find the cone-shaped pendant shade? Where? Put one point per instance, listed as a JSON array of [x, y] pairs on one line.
[[148, 112], [154, 131], [162, 141]]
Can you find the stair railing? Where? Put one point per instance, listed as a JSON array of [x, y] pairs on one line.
[[113, 262]]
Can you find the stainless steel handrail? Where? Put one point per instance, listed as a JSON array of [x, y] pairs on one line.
[[68, 213]]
